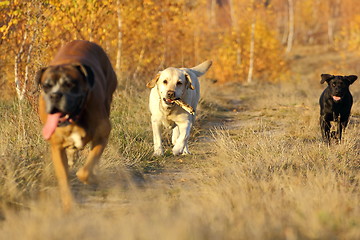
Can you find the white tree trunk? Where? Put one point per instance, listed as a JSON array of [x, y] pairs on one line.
[[334, 13], [196, 46], [285, 33], [212, 12], [291, 26], [331, 30], [119, 43], [138, 67], [18, 86], [252, 50], [28, 60], [22, 80], [235, 27], [21, 87]]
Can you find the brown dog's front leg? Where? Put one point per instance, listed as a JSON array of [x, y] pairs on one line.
[[86, 173], [61, 170], [98, 144]]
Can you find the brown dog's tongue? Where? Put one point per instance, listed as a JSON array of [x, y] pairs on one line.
[[50, 125]]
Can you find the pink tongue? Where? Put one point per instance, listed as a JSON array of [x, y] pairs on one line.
[[336, 98], [50, 125]]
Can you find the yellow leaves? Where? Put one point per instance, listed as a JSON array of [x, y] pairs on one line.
[[149, 3], [349, 36], [4, 4], [3, 28], [4, 31], [73, 19], [159, 33], [232, 54], [154, 33]]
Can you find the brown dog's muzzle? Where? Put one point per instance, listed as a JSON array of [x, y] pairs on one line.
[[55, 97]]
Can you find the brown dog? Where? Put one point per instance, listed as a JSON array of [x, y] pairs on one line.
[[74, 106]]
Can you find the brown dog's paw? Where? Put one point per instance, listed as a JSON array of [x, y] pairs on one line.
[[86, 177], [67, 205]]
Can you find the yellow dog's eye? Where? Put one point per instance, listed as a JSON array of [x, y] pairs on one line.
[[179, 83], [165, 81]]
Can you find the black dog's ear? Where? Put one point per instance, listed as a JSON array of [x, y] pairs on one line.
[[326, 77], [351, 79], [87, 72], [38, 76]]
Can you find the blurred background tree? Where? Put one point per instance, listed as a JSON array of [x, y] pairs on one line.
[[144, 36]]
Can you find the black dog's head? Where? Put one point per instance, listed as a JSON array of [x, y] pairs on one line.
[[65, 87], [338, 85]]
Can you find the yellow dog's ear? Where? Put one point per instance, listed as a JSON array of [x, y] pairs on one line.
[[187, 76], [152, 83]]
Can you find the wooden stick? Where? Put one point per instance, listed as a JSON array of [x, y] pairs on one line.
[[185, 106]]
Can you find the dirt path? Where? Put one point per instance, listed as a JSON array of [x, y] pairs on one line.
[[285, 110], [231, 102], [258, 170]]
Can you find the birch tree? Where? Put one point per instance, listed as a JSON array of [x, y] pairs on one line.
[[251, 51], [291, 24], [119, 39], [334, 6]]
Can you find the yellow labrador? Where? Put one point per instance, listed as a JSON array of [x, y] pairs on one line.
[[167, 86]]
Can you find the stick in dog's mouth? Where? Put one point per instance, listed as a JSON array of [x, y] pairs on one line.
[[184, 106], [181, 104]]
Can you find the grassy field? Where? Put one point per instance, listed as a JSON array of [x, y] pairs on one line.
[[259, 169]]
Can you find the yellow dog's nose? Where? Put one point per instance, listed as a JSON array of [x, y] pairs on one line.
[[170, 94]]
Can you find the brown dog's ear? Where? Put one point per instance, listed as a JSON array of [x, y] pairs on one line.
[[326, 77], [187, 76], [153, 81], [351, 78], [87, 72], [38, 76]]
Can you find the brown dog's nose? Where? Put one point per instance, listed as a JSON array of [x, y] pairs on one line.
[[55, 96], [170, 94]]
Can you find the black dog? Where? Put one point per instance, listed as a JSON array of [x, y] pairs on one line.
[[335, 105]]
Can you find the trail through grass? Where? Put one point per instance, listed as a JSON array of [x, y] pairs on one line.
[[259, 170]]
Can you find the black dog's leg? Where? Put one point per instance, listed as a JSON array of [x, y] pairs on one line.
[[343, 125], [338, 131], [325, 129], [338, 128]]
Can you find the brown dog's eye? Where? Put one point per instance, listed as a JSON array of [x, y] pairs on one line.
[[165, 81], [46, 86], [68, 84], [333, 84]]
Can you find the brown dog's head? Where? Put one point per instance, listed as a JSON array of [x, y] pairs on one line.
[[65, 88], [338, 85]]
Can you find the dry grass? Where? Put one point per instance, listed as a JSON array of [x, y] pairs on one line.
[[285, 181], [260, 172]]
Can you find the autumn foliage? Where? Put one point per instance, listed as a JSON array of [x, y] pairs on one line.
[[142, 37]]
